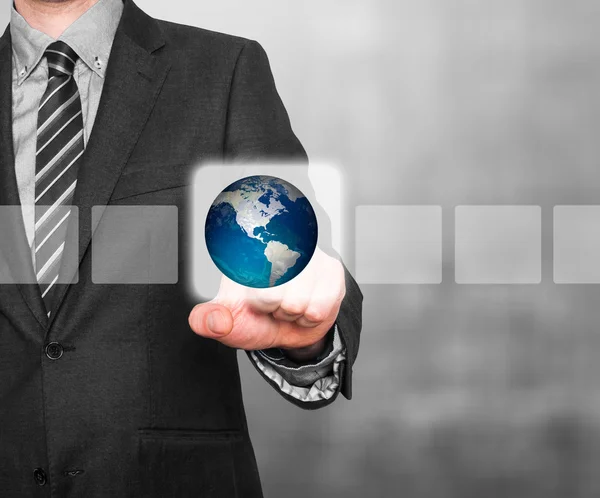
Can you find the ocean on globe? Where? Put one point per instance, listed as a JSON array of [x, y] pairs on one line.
[[261, 231]]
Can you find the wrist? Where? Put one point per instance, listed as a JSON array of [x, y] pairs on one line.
[[307, 353], [313, 353]]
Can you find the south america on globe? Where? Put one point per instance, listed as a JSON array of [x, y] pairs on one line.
[[261, 231]]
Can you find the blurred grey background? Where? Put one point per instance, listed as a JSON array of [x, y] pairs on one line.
[[460, 390]]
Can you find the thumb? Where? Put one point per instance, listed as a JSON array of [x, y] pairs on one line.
[[211, 320]]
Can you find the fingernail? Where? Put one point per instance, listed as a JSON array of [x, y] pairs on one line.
[[216, 322]]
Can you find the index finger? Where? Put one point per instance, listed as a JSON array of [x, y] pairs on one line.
[[265, 300]]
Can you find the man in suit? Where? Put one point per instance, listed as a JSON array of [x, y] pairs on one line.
[[105, 389]]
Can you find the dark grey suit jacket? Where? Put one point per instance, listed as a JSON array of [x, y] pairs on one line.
[[138, 405]]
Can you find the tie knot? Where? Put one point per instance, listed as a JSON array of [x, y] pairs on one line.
[[61, 59]]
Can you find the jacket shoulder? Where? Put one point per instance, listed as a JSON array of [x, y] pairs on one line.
[[185, 38]]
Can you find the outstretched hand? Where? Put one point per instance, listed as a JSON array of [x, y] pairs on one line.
[[294, 316]]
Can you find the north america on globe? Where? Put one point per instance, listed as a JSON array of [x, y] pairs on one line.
[[261, 231]]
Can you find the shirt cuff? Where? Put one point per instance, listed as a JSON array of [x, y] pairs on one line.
[[306, 382]]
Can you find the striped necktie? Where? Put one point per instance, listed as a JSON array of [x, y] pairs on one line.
[[60, 145]]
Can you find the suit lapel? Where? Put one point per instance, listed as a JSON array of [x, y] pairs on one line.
[[14, 249], [134, 78]]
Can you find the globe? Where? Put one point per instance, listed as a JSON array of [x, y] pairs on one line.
[[261, 231]]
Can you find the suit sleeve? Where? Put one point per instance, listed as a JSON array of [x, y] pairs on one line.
[[259, 130]]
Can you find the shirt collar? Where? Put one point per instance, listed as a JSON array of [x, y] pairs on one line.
[[90, 36]]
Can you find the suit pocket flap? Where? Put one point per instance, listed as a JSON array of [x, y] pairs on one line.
[[191, 434], [186, 463]]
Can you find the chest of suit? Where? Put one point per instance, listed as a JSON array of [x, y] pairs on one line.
[[135, 396]]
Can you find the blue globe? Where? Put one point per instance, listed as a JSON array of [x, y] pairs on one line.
[[261, 231]]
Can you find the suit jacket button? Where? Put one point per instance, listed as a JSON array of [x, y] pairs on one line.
[[40, 476], [54, 350]]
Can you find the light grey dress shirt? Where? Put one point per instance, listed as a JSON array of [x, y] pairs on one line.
[[91, 37]]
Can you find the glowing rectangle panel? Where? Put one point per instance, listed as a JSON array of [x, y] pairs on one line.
[[321, 184], [135, 245], [18, 263], [498, 245], [399, 244], [577, 244]]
